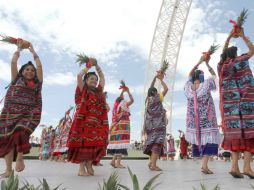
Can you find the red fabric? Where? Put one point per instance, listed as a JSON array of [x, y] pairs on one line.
[[78, 155], [183, 146], [234, 25], [20, 116], [238, 145], [90, 124], [19, 141]]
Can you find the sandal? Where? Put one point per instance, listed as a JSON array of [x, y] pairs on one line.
[[236, 175], [120, 166], [206, 171], [156, 168], [249, 175]]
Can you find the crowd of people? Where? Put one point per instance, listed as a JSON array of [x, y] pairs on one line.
[[86, 137]]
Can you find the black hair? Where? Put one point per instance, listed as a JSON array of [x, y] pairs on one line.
[[29, 63], [87, 75], [195, 75], [152, 91], [230, 52], [119, 99]]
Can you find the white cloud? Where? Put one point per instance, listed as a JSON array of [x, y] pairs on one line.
[[5, 71], [83, 25], [62, 79]]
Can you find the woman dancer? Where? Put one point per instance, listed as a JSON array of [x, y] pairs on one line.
[[155, 123], [171, 147], [183, 146], [21, 113], [119, 141], [202, 128], [237, 104], [89, 130]]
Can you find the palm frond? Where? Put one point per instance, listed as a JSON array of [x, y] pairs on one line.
[[242, 17]]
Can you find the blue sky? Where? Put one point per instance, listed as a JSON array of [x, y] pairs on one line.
[[119, 34]]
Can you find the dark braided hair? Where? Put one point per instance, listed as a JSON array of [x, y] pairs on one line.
[[230, 52], [152, 91], [119, 99]]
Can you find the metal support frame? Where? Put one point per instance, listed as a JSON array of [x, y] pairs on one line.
[[165, 45]]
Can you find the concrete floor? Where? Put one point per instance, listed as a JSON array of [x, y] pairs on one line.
[[177, 175]]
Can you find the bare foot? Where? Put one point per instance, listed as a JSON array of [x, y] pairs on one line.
[[20, 165], [82, 173], [113, 164], [120, 166], [248, 172], [155, 168], [89, 169], [5, 174]]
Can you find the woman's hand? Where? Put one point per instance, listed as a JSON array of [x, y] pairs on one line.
[[241, 33], [31, 48]]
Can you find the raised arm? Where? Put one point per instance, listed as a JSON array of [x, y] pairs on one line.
[[153, 82], [210, 69], [228, 40], [131, 98], [196, 66], [80, 82], [248, 43], [165, 88], [101, 76], [38, 64], [14, 67]]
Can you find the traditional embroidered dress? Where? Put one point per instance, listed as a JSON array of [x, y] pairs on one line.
[[183, 147], [202, 129], [171, 147], [155, 125], [52, 142], [119, 140], [46, 144], [89, 131], [64, 135], [20, 116], [237, 104], [57, 141]]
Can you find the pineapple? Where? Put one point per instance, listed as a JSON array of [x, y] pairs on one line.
[[238, 25], [24, 44]]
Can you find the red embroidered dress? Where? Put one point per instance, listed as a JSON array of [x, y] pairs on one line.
[[20, 116], [89, 131]]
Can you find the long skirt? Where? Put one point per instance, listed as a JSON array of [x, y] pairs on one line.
[[239, 145], [205, 150], [79, 155]]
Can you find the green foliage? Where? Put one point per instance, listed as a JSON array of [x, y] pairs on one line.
[[164, 66], [242, 18], [12, 183], [122, 83], [203, 187], [82, 59], [111, 184], [213, 49]]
